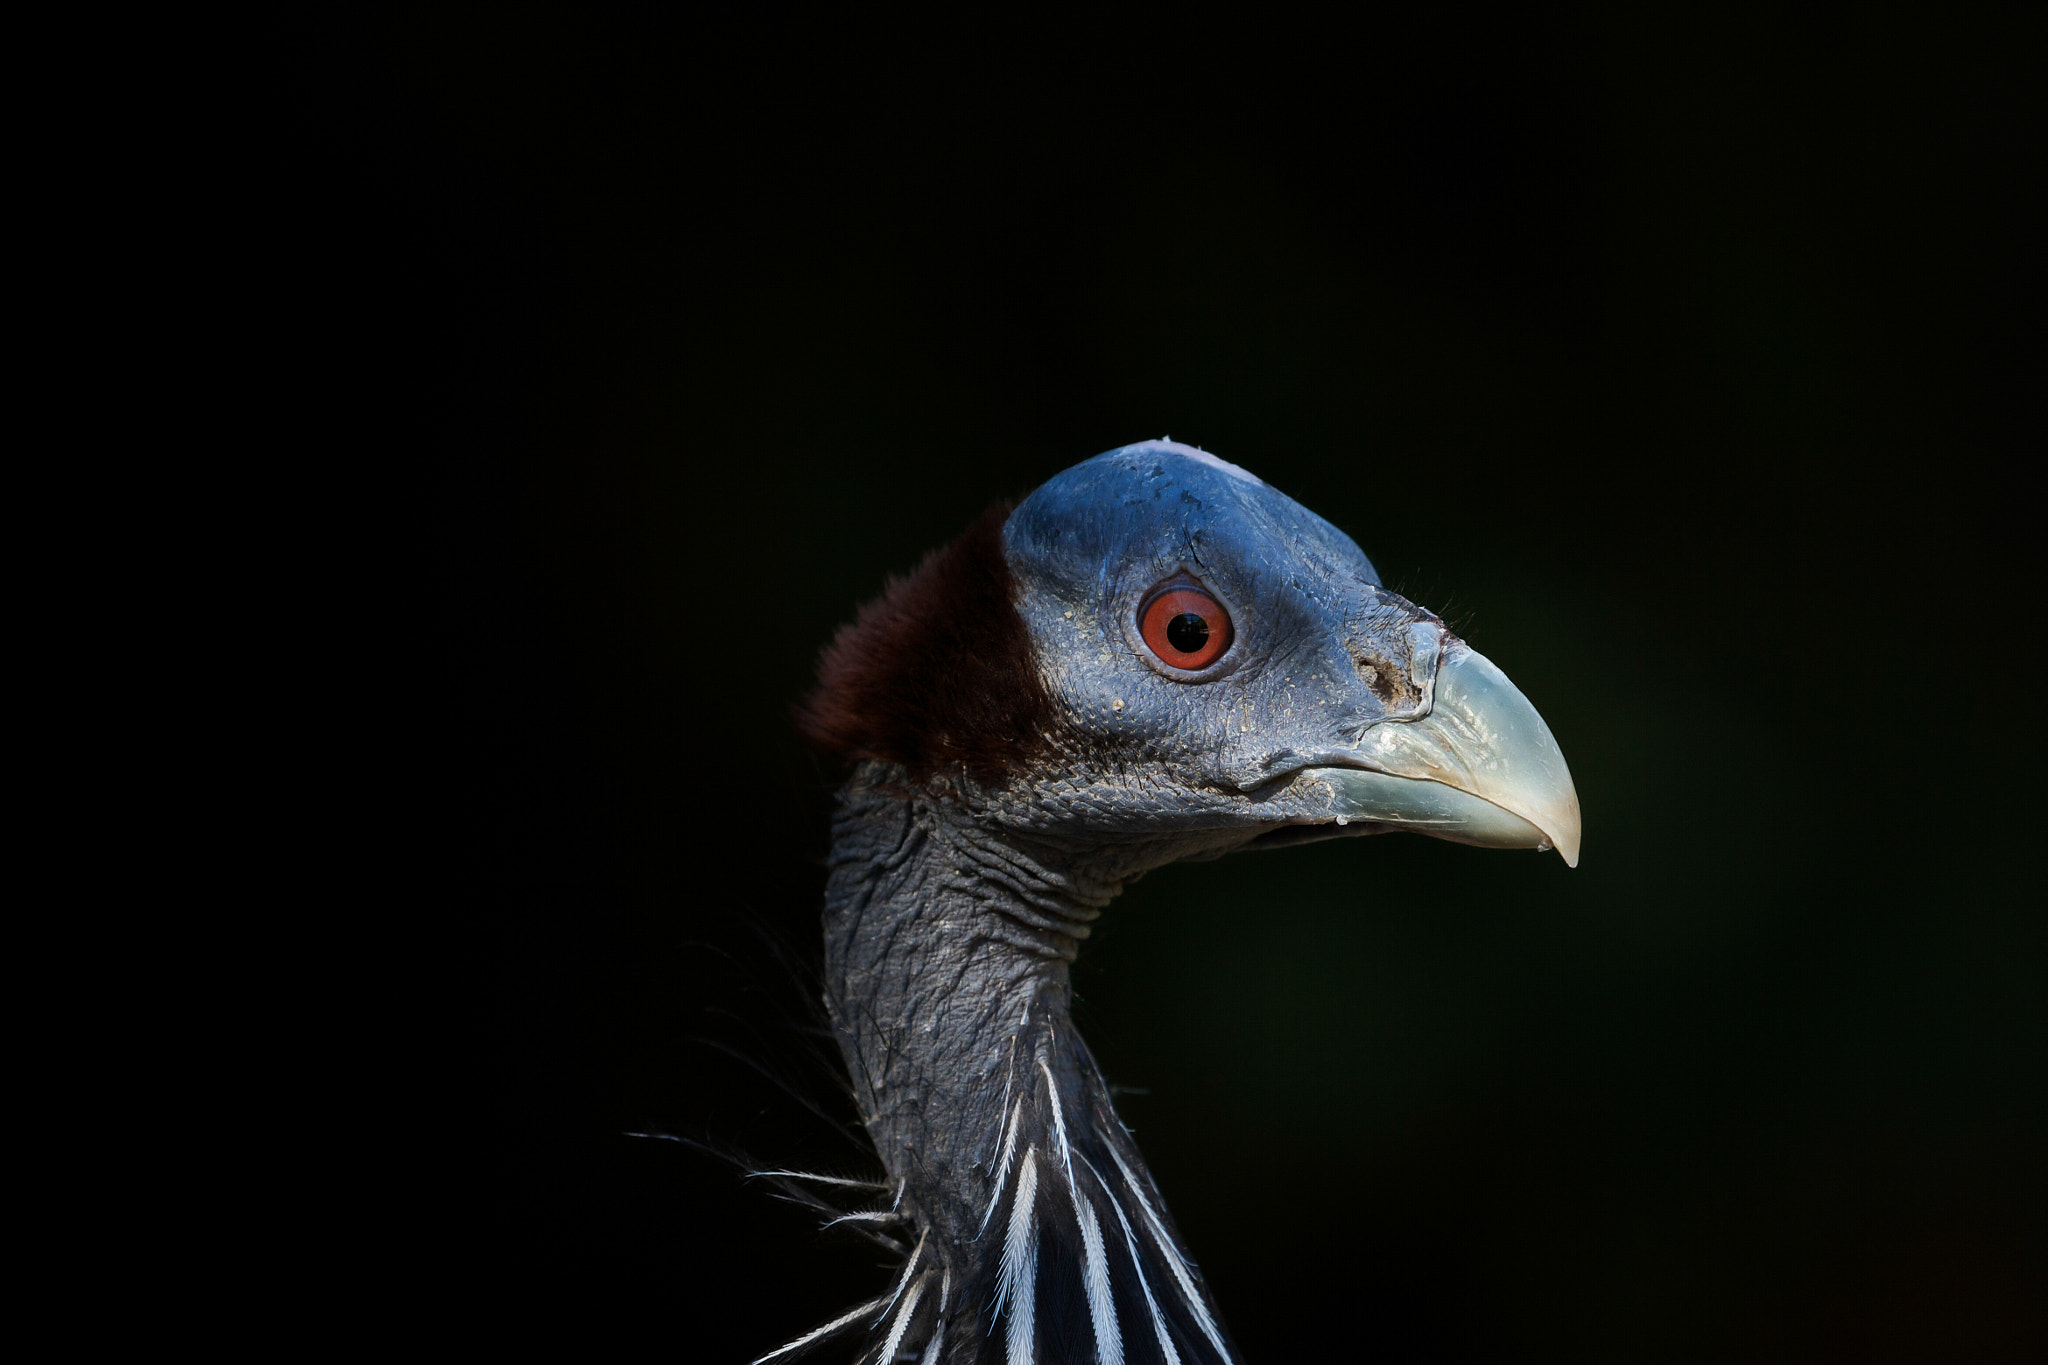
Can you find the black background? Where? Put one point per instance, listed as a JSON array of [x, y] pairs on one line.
[[1682, 363]]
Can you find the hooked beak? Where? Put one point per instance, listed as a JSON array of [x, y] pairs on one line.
[[1481, 768]]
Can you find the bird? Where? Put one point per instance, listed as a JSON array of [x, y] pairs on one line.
[[1154, 657]]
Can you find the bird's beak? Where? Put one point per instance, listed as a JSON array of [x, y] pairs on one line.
[[1481, 768]]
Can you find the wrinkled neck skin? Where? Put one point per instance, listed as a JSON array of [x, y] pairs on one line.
[[952, 916]]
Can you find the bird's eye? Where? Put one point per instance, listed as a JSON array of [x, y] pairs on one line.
[[1185, 627]]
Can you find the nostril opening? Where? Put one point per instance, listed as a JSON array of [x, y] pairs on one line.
[[1373, 676], [1391, 685]]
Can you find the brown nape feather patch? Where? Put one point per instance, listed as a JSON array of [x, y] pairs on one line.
[[937, 671]]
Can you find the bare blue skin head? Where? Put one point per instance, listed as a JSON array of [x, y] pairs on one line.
[[1284, 737]]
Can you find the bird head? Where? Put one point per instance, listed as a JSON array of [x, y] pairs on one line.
[[1228, 662], [1173, 659]]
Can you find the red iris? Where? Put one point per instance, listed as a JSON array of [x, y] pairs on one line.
[[1185, 627]]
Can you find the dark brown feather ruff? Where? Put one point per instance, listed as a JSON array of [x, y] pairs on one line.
[[936, 672]]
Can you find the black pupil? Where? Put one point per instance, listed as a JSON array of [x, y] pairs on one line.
[[1187, 632]]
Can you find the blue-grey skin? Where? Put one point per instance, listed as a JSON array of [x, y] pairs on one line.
[[955, 907], [1208, 749]]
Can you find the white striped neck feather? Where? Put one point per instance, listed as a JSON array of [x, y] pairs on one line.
[[1037, 1233]]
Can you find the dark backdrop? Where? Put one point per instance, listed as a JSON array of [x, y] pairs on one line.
[[1679, 363]]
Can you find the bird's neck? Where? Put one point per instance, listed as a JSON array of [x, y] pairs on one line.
[[948, 939], [948, 936]]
